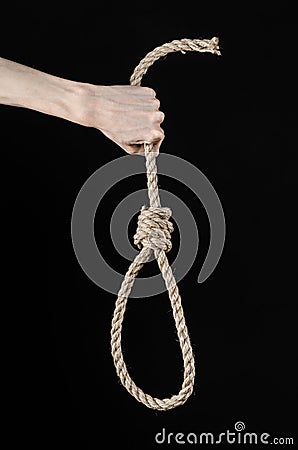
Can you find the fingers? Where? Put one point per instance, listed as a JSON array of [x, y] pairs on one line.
[[139, 91], [160, 118], [131, 117], [138, 97], [150, 136]]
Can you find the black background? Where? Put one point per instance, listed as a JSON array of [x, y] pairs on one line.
[[231, 116]]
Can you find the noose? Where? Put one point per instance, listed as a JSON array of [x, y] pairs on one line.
[[154, 235]]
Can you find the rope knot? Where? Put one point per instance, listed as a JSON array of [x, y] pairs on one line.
[[154, 228], [154, 233]]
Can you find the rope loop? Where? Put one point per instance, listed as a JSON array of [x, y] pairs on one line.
[[154, 235]]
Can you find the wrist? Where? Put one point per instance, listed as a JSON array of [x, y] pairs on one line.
[[30, 88], [83, 103], [66, 99], [86, 104], [58, 97]]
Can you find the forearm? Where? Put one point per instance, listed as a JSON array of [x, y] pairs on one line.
[[29, 88], [128, 115]]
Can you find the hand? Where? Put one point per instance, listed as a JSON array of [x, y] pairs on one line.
[[128, 115]]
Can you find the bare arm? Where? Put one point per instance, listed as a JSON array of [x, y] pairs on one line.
[[128, 115]]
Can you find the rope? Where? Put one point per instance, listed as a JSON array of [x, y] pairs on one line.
[[154, 235]]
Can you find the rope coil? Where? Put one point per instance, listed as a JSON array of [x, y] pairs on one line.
[[154, 229], [154, 235]]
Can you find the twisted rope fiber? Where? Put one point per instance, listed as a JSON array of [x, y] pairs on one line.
[[154, 235]]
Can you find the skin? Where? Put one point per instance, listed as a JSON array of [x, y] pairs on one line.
[[128, 115]]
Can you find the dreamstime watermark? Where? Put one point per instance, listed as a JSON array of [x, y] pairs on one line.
[[94, 189], [237, 436]]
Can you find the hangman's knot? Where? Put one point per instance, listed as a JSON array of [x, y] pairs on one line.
[[154, 228]]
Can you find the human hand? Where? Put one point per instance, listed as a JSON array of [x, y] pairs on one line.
[[128, 115]]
